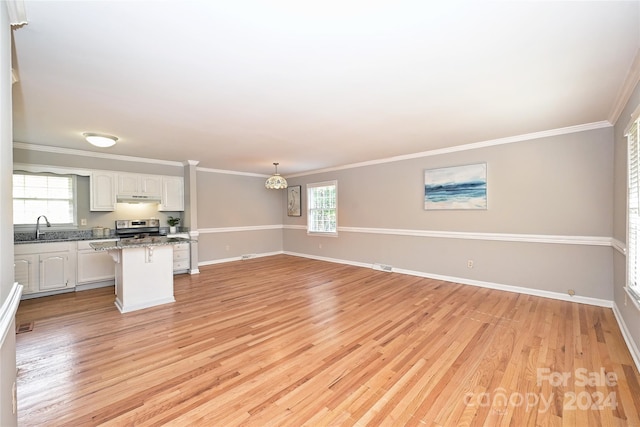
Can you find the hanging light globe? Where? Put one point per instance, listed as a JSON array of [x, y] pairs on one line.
[[275, 181]]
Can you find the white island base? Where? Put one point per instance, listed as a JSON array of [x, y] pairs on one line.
[[144, 276]]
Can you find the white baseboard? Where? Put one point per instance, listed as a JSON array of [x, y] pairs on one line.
[[237, 258], [490, 285], [149, 304], [631, 345]]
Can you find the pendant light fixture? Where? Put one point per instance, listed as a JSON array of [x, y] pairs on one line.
[[275, 181], [99, 139]]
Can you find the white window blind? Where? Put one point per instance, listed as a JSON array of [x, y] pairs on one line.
[[633, 214], [322, 203], [43, 194]]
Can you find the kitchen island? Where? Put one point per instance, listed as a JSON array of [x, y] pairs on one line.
[[144, 271]]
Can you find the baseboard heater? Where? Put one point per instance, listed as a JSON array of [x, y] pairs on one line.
[[382, 267]]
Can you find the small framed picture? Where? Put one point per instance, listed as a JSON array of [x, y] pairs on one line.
[[294, 201]]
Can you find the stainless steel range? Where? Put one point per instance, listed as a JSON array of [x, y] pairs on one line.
[[137, 229]]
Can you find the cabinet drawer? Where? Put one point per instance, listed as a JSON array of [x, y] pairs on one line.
[[180, 265], [181, 247], [179, 256]]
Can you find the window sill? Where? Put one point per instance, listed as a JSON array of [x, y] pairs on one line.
[[322, 234], [633, 297]]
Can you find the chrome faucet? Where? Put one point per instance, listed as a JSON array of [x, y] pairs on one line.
[[38, 232]]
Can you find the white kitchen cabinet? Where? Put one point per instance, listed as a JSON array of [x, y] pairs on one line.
[[25, 272], [54, 271], [172, 194], [45, 267], [103, 191], [131, 184], [181, 258], [94, 266]]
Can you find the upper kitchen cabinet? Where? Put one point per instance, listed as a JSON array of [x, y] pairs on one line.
[[103, 191], [172, 194], [132, 185]]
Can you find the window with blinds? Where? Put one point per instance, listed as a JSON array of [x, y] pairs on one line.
[[633, 210], [43, 194], [322, 212]]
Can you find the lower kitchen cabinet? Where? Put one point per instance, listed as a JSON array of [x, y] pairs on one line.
[[45, 267], [181, 258], [94, 266]]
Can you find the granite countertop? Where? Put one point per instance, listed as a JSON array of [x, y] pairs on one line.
[[61, 239], [140, 243]]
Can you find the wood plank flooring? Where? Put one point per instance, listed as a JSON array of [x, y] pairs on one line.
[[287, 341]]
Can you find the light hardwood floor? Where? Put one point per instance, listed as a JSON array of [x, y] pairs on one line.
[[289, 341]]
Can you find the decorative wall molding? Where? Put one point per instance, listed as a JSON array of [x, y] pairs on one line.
[[227, 172], [466, 147], [502, 237], [75, 152], [619, 246], [8, 312], [625, 92], [631, 345], [63, 170], [237, 229]]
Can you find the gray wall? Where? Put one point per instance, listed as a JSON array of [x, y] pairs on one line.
[[559, 185], [237, 216], [629, 313]]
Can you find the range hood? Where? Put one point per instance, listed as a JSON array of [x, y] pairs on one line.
[[135, 198]]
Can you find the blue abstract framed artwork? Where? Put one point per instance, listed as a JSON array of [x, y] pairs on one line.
[[458, 187]]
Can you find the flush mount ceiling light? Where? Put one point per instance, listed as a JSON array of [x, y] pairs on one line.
[[100, 139], [275, 181]]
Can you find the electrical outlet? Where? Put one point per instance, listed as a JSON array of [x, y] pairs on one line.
[[83, 221], [319, 245], [470, 263], [227, 248]]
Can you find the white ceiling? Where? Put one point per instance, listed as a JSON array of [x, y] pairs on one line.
[[240, 84]]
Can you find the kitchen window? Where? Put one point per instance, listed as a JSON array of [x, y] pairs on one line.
[[633, 211], [322, 208], [44, 194]]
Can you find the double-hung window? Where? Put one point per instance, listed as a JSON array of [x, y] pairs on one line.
[[633, 211], [322, 208], [44, 194]]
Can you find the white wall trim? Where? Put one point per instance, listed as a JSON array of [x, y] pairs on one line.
[[228, 172], [75, 152], [466, 147], [490, 285], [238, 258], [626, 90], [619, 246], [8, 311], [502, 237], [63, 170], [631, 345], [238, 229]]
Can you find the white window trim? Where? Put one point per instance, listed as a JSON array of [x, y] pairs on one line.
[[322, 184], [632, 292], [21, 228]]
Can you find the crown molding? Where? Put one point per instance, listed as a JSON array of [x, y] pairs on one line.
[[228, 172], [466, 147], [76, 152], [625, 92]]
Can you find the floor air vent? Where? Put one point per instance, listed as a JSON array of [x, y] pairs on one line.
[[382, 267], [24, 327], [248, 256]]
